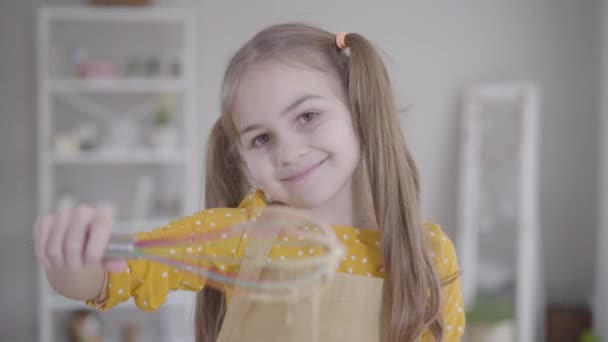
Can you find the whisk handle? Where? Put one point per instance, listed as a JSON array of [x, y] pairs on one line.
[[120, 247]]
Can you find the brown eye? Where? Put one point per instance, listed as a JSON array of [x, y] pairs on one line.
[[307, 117], [260, 140]]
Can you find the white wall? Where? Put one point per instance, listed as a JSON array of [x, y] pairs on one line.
[[601, 279], [17, 174], [434, 50]]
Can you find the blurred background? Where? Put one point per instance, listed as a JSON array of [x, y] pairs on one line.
[[112, 105]]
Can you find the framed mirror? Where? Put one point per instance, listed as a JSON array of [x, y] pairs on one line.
[[498, 231]]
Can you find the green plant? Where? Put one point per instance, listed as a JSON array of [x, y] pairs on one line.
[[164, 115], [161, 117], [587, 336], [490, 310]]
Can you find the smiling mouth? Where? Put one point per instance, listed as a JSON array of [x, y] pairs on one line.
[[301, 174]]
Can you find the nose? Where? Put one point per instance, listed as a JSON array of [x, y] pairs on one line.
[[290, 149]]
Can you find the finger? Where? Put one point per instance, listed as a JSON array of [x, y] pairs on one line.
[[99, 233], [74, 241], [42, 230], [54, 247]]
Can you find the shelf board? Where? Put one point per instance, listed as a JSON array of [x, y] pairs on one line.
[[116, 85], [135, 156], [115, 14]]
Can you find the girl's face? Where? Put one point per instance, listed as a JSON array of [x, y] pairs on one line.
[[296, 133]]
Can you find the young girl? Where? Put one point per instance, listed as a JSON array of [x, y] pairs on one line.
[[308, 121]]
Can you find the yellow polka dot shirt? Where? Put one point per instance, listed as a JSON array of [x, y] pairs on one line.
[[149, 283]]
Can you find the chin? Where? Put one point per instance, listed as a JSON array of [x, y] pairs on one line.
[[311, 197]]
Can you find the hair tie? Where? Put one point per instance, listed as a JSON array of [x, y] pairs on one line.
[[340, 40]]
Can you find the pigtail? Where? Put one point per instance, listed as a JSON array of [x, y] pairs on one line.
[[225, 186], [225, 180], [414, 287]]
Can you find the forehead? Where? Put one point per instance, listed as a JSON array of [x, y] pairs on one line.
[[266, 89]]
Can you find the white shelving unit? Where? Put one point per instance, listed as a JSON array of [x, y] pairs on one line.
[[176, 168], [117, 86], [132, 156]]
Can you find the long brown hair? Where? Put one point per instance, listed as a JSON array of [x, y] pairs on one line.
[[391, 174]]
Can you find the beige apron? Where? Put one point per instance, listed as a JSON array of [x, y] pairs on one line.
[[352, 309]]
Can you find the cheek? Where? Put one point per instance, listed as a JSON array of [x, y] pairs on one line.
[[257, 166], [338, 134]]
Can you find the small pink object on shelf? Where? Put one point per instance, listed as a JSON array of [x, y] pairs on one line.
[[98, 69]]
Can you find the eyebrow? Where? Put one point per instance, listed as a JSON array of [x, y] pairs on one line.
[[287, 109]]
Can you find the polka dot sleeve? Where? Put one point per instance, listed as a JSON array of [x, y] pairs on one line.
[[149, 283], [444, 256]]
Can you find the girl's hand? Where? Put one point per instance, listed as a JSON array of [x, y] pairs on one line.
[[73, 239]]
